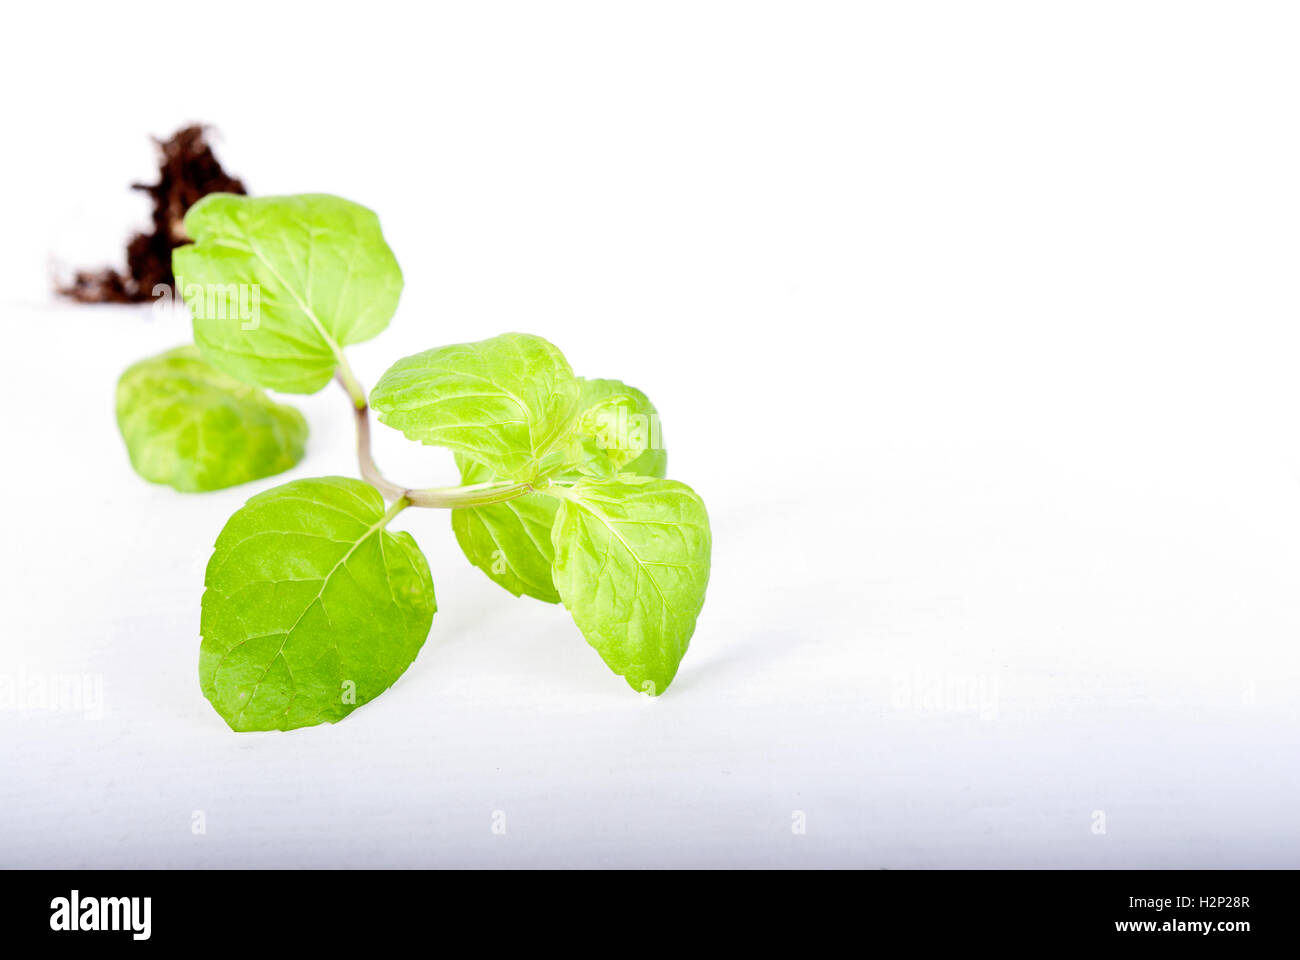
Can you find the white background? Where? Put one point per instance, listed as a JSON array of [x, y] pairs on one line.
[[975, 325]]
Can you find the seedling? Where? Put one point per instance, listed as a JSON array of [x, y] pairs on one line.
[[311, 606]]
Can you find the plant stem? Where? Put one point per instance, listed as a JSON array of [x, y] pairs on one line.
[[400, 504], [473, 495], [350, 383], [369, 472]]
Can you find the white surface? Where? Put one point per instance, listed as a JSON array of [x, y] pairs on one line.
[[975, 328]]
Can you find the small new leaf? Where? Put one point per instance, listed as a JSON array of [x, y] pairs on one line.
[[312, 608], [507, 402], [192, 427], [631, 565], [277, 286], [617, 431]]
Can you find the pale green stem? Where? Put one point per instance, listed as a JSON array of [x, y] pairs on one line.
[[400, 504], [350, 383], [471, 495]]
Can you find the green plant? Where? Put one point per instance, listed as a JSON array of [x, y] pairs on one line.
[[311, 606]]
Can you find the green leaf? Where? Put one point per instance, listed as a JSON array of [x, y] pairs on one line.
[[192, 427], [507, 403], [632, 565], [312, 608], [510, 541], [277, 286], [617, 431]]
